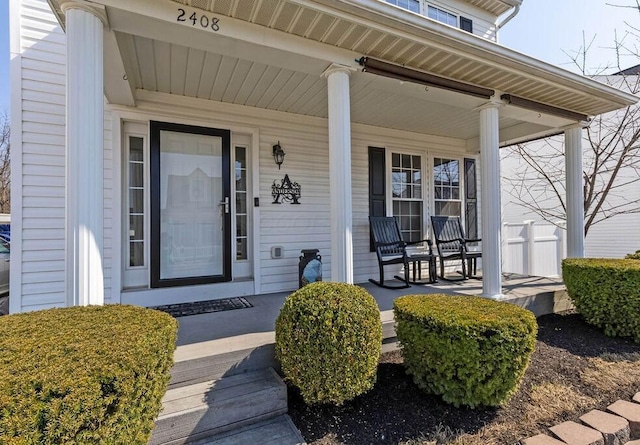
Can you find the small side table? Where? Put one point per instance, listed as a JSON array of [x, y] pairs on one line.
[[416, 259]]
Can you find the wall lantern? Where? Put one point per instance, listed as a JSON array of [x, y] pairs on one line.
[[278, 154]]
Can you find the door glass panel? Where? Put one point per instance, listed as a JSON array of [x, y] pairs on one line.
[[191, 216], [242, 230], [135, 184]]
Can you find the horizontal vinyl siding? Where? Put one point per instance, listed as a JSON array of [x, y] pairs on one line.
[[108, 207], [43, 53]]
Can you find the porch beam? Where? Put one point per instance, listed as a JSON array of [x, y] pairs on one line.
[[340, 173], [575, 191], [85, 153], [490, 195]]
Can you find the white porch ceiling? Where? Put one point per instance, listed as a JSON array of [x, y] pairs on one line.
[[418, 42], [168, 68]]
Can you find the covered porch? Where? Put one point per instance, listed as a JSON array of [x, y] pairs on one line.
[[328, 82], [254, 327]]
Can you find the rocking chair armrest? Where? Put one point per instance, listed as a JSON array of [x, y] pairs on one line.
[[393, 243], [426, 240], [472, 240], [449, 241]]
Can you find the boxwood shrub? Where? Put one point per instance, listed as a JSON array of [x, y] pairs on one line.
[[471, 351], [328, 341], [83, 375], [606, 292]]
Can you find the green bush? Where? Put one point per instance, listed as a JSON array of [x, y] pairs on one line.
[[328, 341], [470, 350], [633, 256], [606, 292], [83, 375]]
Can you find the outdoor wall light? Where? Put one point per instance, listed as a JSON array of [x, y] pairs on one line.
[[278, 154]]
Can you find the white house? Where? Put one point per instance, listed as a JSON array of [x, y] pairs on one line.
[[615, 232], [144, 133]]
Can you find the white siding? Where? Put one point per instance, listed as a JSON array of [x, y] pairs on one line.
[[109, 202], [41, 160], [305, 141], [39, 235]]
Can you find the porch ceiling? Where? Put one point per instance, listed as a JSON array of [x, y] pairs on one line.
[[168, 68], [271, 54], [380, 30]]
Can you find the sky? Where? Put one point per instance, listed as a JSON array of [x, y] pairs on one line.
[[550, 30]]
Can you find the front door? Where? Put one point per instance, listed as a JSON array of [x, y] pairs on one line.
[[190, 205]]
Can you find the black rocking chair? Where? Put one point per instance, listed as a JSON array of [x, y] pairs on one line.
[[453, 245], [391, 249]]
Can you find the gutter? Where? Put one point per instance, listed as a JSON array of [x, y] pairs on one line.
[[516, 10]]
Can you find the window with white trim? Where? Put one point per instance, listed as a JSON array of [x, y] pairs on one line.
[[406, 194], [442, 16], [446, 187], [136, 201], [411, 5]]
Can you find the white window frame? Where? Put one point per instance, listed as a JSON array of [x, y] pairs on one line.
[[132, 128], [426, 203], [442, 10], [432, 183]]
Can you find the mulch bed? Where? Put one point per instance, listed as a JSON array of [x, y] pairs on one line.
[[396, 411]]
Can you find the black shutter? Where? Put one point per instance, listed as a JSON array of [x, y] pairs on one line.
[[377, 189], [466, 24], [471, 198]]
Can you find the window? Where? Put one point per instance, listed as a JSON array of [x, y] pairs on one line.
[[242, 232], [442, 16], [446, 187], [406, 194], [411, 5], [136, 203]]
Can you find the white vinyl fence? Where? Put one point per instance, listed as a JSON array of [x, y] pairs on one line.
[[533, 248]]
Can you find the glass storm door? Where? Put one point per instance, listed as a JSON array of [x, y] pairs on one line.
[[190, 205]]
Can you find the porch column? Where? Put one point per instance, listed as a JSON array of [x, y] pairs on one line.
[[340, 173], [490, 195], [84, 155], [575, 191]]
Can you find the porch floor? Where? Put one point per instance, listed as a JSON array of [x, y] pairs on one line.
[[228, 331]]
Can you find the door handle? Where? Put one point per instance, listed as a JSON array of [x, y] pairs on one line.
[[225, 203]]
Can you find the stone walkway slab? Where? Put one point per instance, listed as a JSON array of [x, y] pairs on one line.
[[631, 412], [573, 433], [615, 429], [636, 398]]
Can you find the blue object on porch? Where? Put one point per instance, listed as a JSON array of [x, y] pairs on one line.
[[310, 267]]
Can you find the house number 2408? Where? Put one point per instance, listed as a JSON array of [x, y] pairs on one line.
[[202, 20]]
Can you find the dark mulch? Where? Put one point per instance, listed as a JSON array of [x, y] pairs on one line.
[[396, 411]]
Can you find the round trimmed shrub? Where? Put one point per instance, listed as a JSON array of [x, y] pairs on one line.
[[606, 292], [328, 341], [470, 350], [84, 375]]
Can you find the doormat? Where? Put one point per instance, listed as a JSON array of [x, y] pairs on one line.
[[204, 307]]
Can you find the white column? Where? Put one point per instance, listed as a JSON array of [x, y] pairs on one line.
[[491, 213], [340, 173], [575, 192], [85, 136]]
